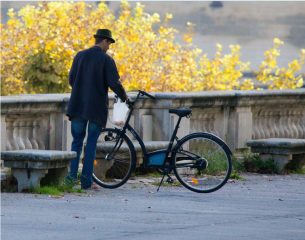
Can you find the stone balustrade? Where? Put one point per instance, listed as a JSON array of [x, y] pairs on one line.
[[34, 122], [39, 121]]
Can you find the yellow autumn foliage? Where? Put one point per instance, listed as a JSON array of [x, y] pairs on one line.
[[281, 78], [38, 44]]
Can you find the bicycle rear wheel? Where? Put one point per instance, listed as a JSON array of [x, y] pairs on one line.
[[202, 162], [115, 161]]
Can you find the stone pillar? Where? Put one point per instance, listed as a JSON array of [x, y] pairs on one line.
[[57, 132], [147, 127], [243, 127], [3, 133], [161, 126]]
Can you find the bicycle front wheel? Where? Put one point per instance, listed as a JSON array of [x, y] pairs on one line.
[[202, 162], [115, 159]]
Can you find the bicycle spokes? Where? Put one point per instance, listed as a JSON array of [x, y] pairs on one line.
[[115, 159], [202, 164]]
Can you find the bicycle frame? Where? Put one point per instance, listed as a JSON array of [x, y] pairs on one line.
[[140, 141]]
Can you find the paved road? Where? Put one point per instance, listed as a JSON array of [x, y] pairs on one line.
[[261, 207]]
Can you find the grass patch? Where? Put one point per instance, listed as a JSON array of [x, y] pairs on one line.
[[238, 165], [296, 171], [176, 183], [237, 168], [235, 175], [47, 190], [217, 162], [148, 172], [154, 174], [55, 190]]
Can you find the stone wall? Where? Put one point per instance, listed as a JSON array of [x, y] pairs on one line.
[[39, 121]]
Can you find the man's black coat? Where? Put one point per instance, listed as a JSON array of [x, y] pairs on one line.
[[91, 74]]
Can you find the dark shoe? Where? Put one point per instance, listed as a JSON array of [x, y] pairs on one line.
[[86, 182], [93, 186]]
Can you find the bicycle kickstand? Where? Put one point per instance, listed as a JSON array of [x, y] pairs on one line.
[[168, 180], [161, 182]]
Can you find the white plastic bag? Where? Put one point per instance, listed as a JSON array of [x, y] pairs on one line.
[[120, 110]]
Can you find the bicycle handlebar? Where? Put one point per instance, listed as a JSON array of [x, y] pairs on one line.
[[140, 93], [146, 94]]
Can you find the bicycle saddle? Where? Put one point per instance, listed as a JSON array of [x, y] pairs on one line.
[[181, 112]]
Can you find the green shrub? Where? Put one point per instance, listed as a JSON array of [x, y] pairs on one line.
[[253, 163]]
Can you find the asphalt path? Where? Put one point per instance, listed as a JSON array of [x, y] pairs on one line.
[[260, 207]]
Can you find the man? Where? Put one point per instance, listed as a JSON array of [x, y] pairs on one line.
[[91, 74]]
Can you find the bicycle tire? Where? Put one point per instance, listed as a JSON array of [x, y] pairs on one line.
[[202, 162], [113, 166]]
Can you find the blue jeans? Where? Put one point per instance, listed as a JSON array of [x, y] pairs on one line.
[[78, 129]]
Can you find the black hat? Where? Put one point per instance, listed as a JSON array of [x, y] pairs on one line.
[[104, 33]]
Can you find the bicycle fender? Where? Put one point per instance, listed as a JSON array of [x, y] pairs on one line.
[[207, 135]]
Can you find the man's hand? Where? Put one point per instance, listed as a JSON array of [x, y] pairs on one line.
[[129, 102]]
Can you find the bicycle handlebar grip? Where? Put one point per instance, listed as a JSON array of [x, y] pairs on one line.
[[147, 94]]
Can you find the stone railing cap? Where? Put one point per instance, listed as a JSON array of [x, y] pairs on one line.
[[45, 98], [277, 142], [35, 98], [39, 155]]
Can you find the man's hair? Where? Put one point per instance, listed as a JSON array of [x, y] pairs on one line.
[[99, 40]]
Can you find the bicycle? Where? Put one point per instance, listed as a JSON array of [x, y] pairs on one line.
[[200, 161]]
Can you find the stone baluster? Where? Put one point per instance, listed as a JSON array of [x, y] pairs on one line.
[[258, 133], [265, 128], [202, 122], [299, 119], [281, 125], [193, 125], [271, 124], [10, 141], [289, 124], [294, 121], [285, 122], [24, 134], [255, 131], [302, 123], [29, 127], [298, 123], [211, 123], [261, 124], [36, 135], [16, 135], [194, 122], [9, 135], [276, 123], [198, 125], [267, 125], [205, 122]]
